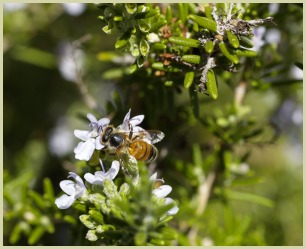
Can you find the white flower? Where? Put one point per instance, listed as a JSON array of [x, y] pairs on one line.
[[73, 191], [131, 123], [84, 150], [161, 192], [153, 37], [99, 177]]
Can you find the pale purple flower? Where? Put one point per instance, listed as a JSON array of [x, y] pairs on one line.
[[73, 191], [131, 123], [100, 176], [84, 150], [258, 38]]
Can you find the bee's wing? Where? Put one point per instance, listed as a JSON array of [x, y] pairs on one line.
[[154, 136], [129, 165]]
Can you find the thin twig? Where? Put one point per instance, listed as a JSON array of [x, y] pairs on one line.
[[204, 194], [86, 96]]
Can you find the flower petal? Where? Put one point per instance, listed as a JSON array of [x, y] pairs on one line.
[[98, 144], [77, 178], [81, 134], [64, 201], [91, 118], [136, 120], [153, 177], [103, 122], [162, 191], [173, 210], [79, 148], [113, 171], [98, 178], [68, 187], [90, 178], [85, 150], [127, 116]]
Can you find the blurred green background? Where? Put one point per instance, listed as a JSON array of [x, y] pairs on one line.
[[49, 48]]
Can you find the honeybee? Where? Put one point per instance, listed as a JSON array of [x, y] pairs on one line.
[[131, 146]]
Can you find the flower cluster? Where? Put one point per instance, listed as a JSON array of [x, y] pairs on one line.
[[100, 193]]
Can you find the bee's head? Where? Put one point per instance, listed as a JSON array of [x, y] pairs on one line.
[[106, 133]]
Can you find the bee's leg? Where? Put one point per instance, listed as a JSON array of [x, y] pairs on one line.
[[131, 131]]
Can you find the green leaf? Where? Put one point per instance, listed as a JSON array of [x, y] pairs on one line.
[[140, 61], [232, 57], [197, 155], [189, 76], [34, 56], [232, 38], [135, 52], [118, 18], [36, 234], [113, 73], [165, 219], [155, 26], [144, 47], [242, 196], [80, 207], [140, 238], [131, 8], [245, 52], [183, 11], [96, 216], [123, 40], [85, 219], [16, 232], [159, 46], [204, 22], [157, 242], [191, 58], [48, 189], [147, 14], [144, 26], [106, 29], [222, 8], [131, 69], [211, 84], [169, 14], [209, 47], [37, 199], [188, 42], [168, 233], [110, 189], [158, 66], [245, 41], [70, 219], [247, 181], [208, 10], [124, 190], [193, 8]]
